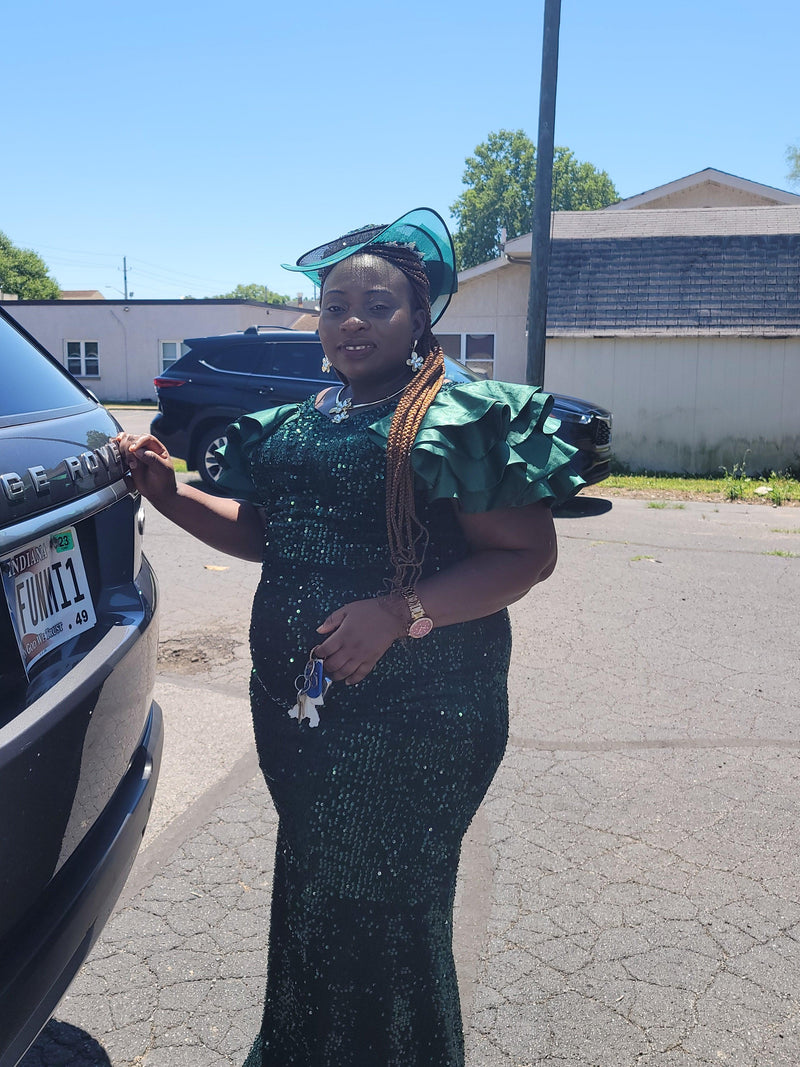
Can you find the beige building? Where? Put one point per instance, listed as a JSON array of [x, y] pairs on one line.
[[677, 309], [117, 347]]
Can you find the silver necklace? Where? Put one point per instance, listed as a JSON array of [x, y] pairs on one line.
[[341, 408]]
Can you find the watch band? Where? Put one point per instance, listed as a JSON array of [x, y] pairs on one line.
[[420, 625]]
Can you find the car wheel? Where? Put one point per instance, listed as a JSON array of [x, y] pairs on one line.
[[208, 465]]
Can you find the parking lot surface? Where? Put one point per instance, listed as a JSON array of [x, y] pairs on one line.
[[629, 890]]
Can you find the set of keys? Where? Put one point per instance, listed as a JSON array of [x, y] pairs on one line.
[[311, 686]]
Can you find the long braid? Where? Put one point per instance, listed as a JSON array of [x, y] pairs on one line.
[[408, 537]]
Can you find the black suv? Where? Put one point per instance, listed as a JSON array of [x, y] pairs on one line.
[[80, 736], [217, 379]]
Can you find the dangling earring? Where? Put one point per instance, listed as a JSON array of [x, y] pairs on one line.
[[326, 365], [416, 359]]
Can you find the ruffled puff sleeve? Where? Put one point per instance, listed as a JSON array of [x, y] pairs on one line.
[[490, 445], [244, 437]]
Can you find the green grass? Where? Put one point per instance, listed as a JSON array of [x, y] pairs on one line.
[[180, 466], [776, 488], [783, 554]]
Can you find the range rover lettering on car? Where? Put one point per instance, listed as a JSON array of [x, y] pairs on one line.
[[80, 734], [217, 379]]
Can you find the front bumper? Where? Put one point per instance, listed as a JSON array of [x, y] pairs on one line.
[[41, 955]]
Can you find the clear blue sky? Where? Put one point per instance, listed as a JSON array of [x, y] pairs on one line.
[[208, 143]]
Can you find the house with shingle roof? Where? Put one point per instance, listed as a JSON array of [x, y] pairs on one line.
[[678, 309]]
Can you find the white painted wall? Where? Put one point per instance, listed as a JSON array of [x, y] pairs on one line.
[[128, 334], [707, 194], [688, 403], [494, 302]]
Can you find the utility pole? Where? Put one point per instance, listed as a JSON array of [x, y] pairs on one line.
[[125, 275], [543, 196]]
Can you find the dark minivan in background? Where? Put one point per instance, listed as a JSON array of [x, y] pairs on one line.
[[217, 379], [80, 734]]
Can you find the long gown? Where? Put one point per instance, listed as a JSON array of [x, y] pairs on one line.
[[373, 802]]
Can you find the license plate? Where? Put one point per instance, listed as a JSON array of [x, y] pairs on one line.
[[48, 594]]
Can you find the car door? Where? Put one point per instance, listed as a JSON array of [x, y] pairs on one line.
[[290, 372], [231, 376]]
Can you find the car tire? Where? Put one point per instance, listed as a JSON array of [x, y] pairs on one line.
[[208, 466]]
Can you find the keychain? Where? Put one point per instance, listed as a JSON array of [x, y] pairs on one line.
[[311, 687]]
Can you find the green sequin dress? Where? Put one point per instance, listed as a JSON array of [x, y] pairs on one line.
[[373, 803]]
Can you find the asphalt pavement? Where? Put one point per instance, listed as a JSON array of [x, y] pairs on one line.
[[628, 893]]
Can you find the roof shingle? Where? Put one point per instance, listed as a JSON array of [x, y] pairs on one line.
[[738, 282]]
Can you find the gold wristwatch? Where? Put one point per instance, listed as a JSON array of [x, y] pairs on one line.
[[420, 625]]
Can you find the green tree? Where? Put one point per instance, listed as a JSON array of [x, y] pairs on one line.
[[254, 292], [793, 159], [24, 273], [500, 177]]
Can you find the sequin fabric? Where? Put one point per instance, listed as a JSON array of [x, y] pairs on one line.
[[373, 803]]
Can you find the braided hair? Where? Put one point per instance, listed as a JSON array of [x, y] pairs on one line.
[[408, 537]]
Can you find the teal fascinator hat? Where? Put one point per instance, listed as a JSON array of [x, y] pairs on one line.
[[423, 229]]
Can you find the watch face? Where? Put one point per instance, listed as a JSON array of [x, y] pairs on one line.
[[420, 627]]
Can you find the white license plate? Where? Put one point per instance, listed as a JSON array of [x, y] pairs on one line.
[[48, 594]]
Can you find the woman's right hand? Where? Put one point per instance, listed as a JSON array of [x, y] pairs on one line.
[[149, 465], [229, 525]]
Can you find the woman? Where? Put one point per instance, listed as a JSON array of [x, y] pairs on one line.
[[396, 516]]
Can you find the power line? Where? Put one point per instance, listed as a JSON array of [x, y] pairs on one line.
[[160, 274], [156, 273], [175, 277]]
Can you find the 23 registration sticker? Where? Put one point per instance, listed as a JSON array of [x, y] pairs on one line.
[[47, 592]]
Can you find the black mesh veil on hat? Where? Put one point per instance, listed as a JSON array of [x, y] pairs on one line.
[[422, 229]]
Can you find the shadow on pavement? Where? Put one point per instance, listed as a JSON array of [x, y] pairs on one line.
[[582, 507], [63, 1045]]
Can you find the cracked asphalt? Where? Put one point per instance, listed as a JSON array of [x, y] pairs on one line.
[[629, 893]]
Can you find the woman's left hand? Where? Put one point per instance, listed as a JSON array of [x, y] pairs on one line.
[[360, 633], [511, 549]]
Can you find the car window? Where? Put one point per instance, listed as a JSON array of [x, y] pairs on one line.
[[31, 381], [294, 360], [243, 358]]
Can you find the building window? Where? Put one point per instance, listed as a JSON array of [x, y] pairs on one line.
[[451, 345], [82, 359], [474, 350], [170, 351], [479, 353]]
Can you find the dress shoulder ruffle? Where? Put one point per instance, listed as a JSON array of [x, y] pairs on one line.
[[244, 436], [490, 445]]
